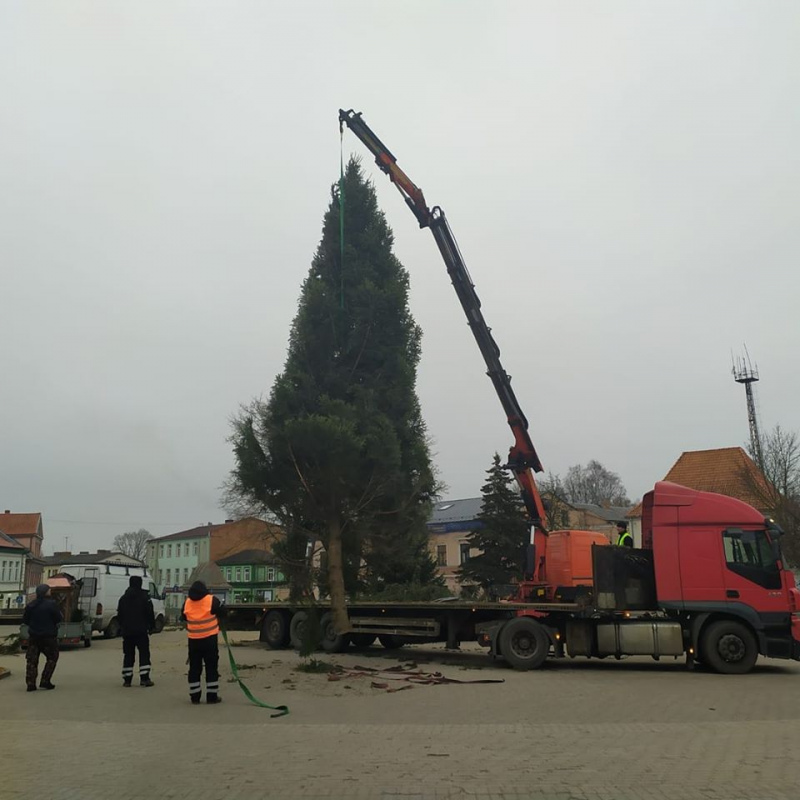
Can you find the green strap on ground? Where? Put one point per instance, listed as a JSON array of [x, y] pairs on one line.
[[341, 216], [282, 710]]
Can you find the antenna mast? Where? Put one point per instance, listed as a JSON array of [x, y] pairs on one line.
[[744, 372]]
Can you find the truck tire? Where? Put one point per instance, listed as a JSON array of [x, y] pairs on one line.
[[524, 643], [729, 647], [362, 640], [159, 625], [112, 629], [275, 630], [297, 629], [332, 642], [390, 641]]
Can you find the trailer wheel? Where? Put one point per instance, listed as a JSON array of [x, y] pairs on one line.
[[275, 630], [729, 647], [390, 641], [362, 640], [297, 629], [524, 643], [112, 629], [159, 626], [332, 642]]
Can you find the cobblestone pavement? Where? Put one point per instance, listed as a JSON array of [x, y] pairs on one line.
[[574, 731]]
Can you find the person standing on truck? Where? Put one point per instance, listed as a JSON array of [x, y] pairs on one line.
[[136, 620], [42, 617], [202, 613], [624, 539]]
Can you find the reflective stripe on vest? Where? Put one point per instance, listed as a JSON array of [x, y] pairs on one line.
[[622, 539], [200, 622]]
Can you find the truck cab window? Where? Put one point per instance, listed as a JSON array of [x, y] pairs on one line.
[[750, 554]]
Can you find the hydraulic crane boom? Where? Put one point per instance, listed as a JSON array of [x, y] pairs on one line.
[[522, 458]]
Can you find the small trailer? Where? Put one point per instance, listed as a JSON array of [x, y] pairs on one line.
[[77, 625]]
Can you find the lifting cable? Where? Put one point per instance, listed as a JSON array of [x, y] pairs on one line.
[[282, 710]]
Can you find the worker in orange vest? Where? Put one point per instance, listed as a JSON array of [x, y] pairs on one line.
[[202, 612]]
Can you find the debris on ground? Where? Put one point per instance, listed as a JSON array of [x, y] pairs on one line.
[[407, 674], [10, 645], [4, 673]]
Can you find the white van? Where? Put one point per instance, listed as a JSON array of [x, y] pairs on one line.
[[105, 584]]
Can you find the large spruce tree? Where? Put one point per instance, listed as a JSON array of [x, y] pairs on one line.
[[340, 450], [503, 536]]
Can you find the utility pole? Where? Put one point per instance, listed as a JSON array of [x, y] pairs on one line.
[[745, 373]]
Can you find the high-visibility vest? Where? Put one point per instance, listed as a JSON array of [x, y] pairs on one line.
[[622, 537], [200, 622]]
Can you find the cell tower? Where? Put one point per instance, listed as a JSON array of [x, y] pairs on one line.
[[744, 372]]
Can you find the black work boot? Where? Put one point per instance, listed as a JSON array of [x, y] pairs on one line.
[[147, 682], [211, 699], [126, 682], [46, 685]]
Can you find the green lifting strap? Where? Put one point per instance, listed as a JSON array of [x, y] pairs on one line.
[[341, 217], [282, 710]]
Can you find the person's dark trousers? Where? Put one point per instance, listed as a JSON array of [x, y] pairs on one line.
[[48, 646], [129, 646], [204, 652]]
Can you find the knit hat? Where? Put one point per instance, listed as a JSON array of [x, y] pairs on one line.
[[42, 589], [135, 582]]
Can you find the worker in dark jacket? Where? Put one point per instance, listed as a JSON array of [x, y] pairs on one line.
[[624, 539], [136, 620], [42, 618], [202, 612]]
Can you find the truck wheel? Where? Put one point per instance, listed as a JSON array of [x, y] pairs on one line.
[[362, 640], [524, 643], [332, 642], [112, 630], [275, 630], [390, 641], [159, 626], [729, 647], [297, 629]]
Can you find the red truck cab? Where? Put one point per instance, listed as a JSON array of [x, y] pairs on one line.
[[717, 557]]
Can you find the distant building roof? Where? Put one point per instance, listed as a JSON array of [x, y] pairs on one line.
[[248, 557], [210, 574], [449, 511], [10, 541], [610, 513], [20, 524], [192, 533], [100, 557], [726, 470]]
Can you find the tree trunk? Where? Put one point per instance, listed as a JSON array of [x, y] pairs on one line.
[[336, 577]]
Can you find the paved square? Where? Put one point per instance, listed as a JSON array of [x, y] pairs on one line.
[[575, 730]]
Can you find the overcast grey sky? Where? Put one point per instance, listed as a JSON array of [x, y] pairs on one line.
[[622, 179]]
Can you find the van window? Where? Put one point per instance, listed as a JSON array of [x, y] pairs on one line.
[[153, 592], [89, 588]]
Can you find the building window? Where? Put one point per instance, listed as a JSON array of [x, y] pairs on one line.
[[464, 552], [270, 574], [247, 573], [161, 551], [441, 555], [238, 574], [186, 574], [3, 572], [169, 551], [169, 575], [194, 549]]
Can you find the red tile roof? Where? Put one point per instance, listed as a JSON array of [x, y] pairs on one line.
[[727, 470], [9, 541], [20, 524]]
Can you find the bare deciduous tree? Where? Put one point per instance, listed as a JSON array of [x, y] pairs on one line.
[[780, 494], [594, 484], [133, 543]]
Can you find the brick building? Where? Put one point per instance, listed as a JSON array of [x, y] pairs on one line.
[[27, 529]]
